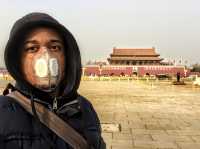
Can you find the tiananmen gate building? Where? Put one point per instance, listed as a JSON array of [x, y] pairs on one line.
[[134, 57], [139, 61]]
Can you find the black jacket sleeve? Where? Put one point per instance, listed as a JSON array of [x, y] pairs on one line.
[[92, 125]]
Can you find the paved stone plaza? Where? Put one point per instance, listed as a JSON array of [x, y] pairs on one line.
[[152, 115]]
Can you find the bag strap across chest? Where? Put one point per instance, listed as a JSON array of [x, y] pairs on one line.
[[52, 121]]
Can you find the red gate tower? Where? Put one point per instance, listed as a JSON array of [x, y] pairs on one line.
[[136, 56]]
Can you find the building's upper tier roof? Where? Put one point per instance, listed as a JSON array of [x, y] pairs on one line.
[[136, 58], [134, 52]]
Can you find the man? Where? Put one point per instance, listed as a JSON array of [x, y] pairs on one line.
[[44, 59]]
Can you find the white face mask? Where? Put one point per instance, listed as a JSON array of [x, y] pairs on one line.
[[47, 71]]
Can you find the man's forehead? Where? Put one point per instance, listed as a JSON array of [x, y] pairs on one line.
[[43, 33]]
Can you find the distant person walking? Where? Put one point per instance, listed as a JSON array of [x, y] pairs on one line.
[[178, 76]]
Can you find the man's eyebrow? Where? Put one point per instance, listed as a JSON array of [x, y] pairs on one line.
[[31, 41], [36, 42], [56, 40]]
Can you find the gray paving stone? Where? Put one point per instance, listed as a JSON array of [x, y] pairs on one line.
[[161, 116], [185, 145]]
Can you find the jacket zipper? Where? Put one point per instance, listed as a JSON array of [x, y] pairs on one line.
[[55, 104], [55, 108]]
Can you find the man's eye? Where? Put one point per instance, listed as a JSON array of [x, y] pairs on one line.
[[55, 48], [32, 49]]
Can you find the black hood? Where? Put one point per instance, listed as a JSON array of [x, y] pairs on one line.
[[68, 87]]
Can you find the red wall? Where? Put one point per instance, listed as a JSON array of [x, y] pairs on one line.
[[128, 70], [154, 70], [91, 70], [116, 70]]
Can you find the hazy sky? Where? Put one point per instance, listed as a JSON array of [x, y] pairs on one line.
[[171, 26]]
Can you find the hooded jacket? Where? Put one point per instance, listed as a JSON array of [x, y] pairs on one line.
[[19, 129]]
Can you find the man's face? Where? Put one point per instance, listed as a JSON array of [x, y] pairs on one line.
[[43, 60]]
